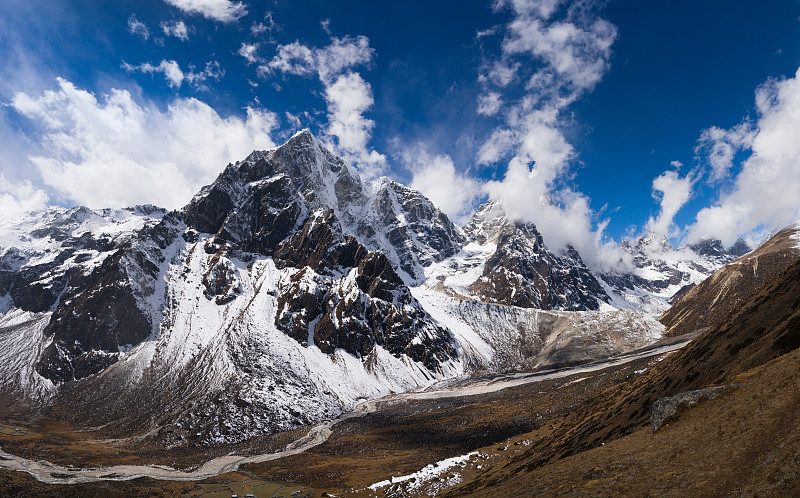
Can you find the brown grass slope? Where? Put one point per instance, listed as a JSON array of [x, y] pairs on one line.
[[745, 443], [765, 327], [711, 301]]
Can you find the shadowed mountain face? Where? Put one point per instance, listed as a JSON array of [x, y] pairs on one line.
[[523, 272], [277, 297], [715, 298]]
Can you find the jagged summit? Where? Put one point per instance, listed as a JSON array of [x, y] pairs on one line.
[[715, 248], [508, 262], [261, 200], [663, 273]]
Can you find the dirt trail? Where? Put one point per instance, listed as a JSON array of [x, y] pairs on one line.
[[56, 474]]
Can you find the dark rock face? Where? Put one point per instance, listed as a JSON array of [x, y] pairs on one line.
[[254, 215], [425, 234], [714, 248], [220, 281], [268, 215], [709, 247], [343, 296], [96, 313], [523, 272], [256, 204], [739, 248], [320, 246], [206, 213], [91, 324]]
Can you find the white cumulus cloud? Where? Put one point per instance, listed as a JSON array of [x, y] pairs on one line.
[[436, 176], [20, 197], [327, 62], [348, 98], [765, 191], [223, 11], [671, 191], [115, 151], [720, 146]]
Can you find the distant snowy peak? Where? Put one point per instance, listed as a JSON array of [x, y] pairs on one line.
[[661, 273], [43, 249], [714, 248], [262, 200], [507, 262], [89, 270], [652, 243]]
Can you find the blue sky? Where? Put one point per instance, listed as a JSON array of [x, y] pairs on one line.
[[596, 120]]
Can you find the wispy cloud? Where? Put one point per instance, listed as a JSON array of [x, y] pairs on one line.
[[116, 151], [489, 103], [265, 28], [223, 11], [250, 53], [178, 29], [176, 76], [557, 52], [138, 28]]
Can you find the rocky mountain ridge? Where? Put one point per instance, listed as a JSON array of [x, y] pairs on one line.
[[662, 273], [284, 292]]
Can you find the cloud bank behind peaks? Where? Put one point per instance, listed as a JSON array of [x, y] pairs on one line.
[[116, 152], [557, 52]]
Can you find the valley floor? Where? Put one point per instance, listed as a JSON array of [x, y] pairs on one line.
[[400, 434], [746, 442]]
